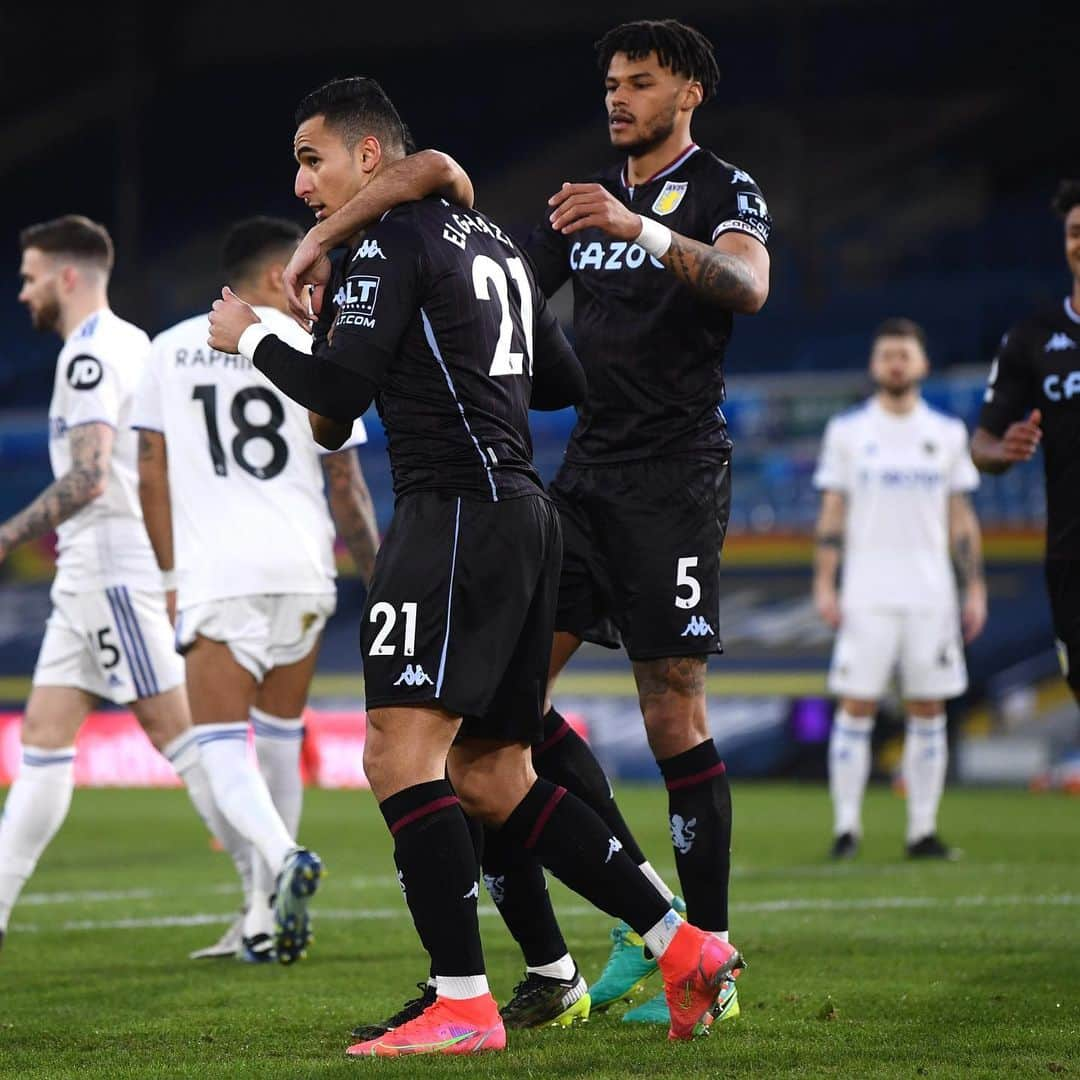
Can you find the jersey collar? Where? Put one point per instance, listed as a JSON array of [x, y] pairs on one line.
[[86, 326], [1071, 311], [689, 152]]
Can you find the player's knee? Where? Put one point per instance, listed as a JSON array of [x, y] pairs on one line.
[[859, 708], [673, 727], [490, 794], [43, 731]]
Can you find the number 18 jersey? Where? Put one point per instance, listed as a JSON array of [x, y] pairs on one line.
[[246, 486]]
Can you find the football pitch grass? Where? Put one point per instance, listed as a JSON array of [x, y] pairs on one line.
[[873, 968]]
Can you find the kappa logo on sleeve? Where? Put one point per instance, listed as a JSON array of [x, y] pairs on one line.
[[84, 372], [356, 300]]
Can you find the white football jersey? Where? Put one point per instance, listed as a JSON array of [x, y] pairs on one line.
[[897, 473], [246, 485], [105, 543]]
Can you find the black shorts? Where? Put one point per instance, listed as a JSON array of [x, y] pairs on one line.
[[461, 611], [641, 553], [1063, 585]]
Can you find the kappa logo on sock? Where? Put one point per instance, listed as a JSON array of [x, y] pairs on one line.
[[697, 627], [473, 893], [401, 883], [414, 675], [682, 833], [496, 887], [613, 845]]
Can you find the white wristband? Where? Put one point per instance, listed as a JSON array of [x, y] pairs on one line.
[[654, 237], [168, 580], [250, 338]]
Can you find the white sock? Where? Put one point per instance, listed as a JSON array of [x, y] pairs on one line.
[[849, 769], [461, 987], [663, 933], [720, 935], [259, 916], [657, 881], [925, 759], [563, 968], [240, 791], [36, 806], [183, 754], [277, 746]]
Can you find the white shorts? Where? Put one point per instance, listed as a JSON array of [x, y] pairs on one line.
[[926, 646], [262, 632], [116, 643]]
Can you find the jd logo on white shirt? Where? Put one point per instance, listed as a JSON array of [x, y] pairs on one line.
[[84, 372]]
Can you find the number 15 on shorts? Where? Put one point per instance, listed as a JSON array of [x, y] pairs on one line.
[[685, 580]]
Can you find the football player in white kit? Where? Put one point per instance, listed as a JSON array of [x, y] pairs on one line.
[[895, 476], [108, 635], [231, 484]]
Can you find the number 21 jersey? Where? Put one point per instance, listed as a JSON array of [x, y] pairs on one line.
[[246, 486]]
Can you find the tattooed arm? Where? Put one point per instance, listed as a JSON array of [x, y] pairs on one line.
[[828, 551], [732, 273], [965, 543], [91, 448], [353, 510]]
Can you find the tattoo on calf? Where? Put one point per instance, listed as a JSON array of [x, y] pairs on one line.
[[684, 676]]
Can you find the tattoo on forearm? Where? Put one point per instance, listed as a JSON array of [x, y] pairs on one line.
[[66, 496], [683, 676], [715, 275], [967, 559], [354, 512]]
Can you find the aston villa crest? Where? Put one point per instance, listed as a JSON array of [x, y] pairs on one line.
[[667, 202]]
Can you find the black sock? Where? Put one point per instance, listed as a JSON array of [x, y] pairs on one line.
[[573, 842], [515, 880], [699, 804], [567, 760], [438, 874]]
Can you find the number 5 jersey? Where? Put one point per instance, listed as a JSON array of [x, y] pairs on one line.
[[248, 511], [104, 544]]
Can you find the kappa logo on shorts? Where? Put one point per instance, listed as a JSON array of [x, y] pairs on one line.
[[698, 626], [414, 675], [613, 846]]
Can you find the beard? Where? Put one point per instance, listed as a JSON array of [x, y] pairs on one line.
[[46, 317], [651, 136], [898, 389]]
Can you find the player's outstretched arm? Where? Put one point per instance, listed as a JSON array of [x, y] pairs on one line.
[[994, 454], [828, 550], [427, 172], [965, 544], [353, 509], [732, 273], [91, 448], [156, 508]]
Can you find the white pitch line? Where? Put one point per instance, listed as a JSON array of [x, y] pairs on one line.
[[771, 907]]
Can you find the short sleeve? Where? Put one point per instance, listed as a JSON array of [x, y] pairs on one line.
[[740, 207], [147, 413], [357, 437], [833, 471], [95, 390], [548, 252], [377, 299], [1008, 393], [963, 476]]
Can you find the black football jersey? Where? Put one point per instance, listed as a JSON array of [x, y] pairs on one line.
[[653, 352], [1038, 367], [438, 308]]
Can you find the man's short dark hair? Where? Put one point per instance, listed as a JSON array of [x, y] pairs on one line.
[[251, 241], [900, 327], [356, 107], [72, 235], [1066, 197], [678, 47]]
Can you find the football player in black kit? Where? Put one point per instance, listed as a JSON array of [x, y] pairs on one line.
[[435, 316], [643, 496], [1032, 398], [662, 250]]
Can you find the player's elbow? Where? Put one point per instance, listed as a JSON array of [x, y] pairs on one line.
[[754, 298]]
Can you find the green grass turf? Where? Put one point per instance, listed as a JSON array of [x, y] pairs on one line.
[[874, 968]]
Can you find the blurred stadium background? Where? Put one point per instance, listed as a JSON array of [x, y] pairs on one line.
[[908, 154]]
